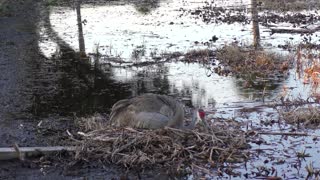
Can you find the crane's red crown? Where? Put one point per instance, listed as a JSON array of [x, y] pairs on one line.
[[202, 114]]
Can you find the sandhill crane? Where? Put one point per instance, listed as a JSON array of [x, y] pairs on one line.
[[151, 111]]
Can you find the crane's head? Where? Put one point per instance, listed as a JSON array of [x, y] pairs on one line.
[[198, 115], [201, 114]]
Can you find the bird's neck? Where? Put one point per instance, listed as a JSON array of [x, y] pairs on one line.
[[194, 120]]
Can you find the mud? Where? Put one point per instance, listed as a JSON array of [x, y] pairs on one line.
[[37, 89], [19, 56], [37, 104], [56, 170]]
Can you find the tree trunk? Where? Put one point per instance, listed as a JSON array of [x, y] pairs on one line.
[[255, 24], [82, 48]]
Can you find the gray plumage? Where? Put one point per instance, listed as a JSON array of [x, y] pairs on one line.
[[149, 111]]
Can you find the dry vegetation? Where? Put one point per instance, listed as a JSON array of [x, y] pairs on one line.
[[200, 55], [203, 56], [308, 67], [309, 117], [95, 122], [251, 64], [308, 70], [299, 111], [173, 149]]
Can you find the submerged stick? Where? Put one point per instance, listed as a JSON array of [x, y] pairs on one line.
[[9, 153], [292, 31], [287, 134]]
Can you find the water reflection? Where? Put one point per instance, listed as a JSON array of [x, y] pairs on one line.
[[75, 87], [139, 39], [146, 6], [71, 84], [119, 29], [186, 81]]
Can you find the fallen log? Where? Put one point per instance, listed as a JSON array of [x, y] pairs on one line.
[[295, 31], [9, 153], [288, 134]]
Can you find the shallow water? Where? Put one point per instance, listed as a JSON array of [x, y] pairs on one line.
[[118, 29]]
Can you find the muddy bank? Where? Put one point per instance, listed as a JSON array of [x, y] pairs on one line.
[[40, 98], [18, 57], [37, 91], [28, 82], [48, 168]]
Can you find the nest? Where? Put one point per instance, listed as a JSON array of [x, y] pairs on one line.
[[166, 147]]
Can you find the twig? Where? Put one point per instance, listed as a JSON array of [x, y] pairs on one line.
[[20, 154], [124, 147], [263, 149], [16, 152], [207, 171], [287, 134], [299, 31]]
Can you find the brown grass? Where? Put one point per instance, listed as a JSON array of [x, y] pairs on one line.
[[200, 55], [308, 67], [309, 116], [250, 63], [95, 122]]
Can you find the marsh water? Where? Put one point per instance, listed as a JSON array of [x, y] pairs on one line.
[[119, 35]]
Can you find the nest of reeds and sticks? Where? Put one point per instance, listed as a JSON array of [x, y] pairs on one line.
[[168, 147]]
